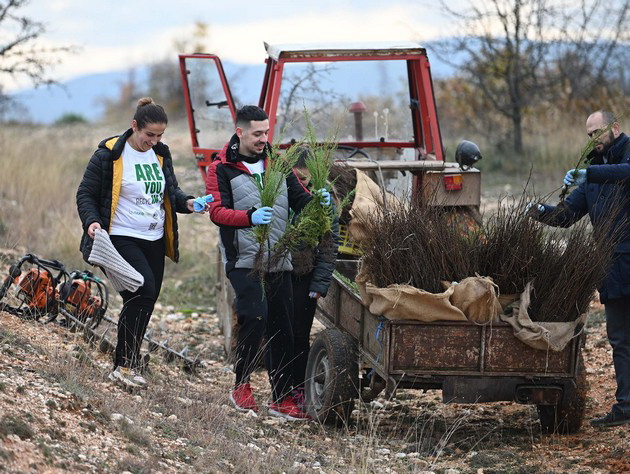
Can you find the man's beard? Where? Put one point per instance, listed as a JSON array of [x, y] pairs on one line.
[[606, 146]]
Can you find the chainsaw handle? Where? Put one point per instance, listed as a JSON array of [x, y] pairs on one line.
[[88, 275], [54, 264]]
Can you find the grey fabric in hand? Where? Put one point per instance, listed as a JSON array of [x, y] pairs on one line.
[[121, 275]]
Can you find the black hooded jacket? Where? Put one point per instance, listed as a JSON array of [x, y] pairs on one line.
[[98, 192], [595, 197]]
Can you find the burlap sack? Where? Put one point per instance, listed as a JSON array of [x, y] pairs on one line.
[[543, 336], [477, 298], [368, 199], [475, 295]]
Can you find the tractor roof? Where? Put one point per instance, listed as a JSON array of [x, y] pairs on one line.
[[315, 50]]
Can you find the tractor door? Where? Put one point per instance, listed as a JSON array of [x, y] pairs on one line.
[[209, 105]]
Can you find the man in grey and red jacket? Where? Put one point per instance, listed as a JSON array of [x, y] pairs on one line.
[[234, 179]]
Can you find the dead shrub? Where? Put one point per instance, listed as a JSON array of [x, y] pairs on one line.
[[10, 424]]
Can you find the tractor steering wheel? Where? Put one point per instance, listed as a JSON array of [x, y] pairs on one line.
[[352, 151]]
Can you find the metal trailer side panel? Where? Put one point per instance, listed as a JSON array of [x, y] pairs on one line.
[[411, 349], [446, 347]]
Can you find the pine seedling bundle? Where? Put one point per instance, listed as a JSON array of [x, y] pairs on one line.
[[278, 168], [313, 224]]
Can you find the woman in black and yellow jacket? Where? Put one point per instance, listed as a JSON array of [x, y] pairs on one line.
[[130, 190]]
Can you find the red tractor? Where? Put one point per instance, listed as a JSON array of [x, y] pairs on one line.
[[377, 99]]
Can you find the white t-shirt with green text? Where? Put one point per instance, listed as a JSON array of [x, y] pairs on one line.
[[140, 209], [257, 170]]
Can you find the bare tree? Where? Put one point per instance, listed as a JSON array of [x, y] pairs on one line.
[[592, 58], [516, 53], [305, 87], [21, 54]]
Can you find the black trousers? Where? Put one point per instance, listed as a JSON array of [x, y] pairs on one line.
[[618, 330], [264, 314], [303, 314], [147, 257]]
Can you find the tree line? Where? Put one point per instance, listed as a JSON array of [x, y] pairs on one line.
[[517, 59], [514, 60]]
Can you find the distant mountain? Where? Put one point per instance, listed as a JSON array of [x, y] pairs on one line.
[[85, 95]]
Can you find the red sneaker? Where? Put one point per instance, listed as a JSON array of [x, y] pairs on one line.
[[288, 409], [243, 399]]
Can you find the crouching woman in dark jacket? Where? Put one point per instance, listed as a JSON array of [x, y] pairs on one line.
[[129, 189]]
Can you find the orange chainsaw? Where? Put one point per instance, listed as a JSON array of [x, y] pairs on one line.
[[36, 292], [83, 297]]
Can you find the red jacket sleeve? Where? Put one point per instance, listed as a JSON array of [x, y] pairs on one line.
[[222, 211]]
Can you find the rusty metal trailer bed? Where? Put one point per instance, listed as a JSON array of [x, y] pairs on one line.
[[360, 354]]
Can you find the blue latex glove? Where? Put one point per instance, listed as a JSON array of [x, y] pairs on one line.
[[313, 294], [533, 209], [325, 197], [262, 215], [199, 204], [575, 177]]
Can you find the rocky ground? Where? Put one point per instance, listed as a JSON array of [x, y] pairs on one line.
[[59, 413]]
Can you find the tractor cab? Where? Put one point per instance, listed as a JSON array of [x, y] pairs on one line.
[[375, 100]]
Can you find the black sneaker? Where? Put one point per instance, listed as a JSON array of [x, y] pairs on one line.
[[611, 419]]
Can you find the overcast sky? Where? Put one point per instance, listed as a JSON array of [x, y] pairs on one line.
[[116, 35]]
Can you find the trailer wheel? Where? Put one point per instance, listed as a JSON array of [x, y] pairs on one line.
[[332, 376], [568, 415]]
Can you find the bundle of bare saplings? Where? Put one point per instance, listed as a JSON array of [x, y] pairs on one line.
[[422, 246]]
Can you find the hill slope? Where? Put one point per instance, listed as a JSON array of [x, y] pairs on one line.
[[59, 413]]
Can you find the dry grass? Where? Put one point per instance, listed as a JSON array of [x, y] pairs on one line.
[[187, 420], [553, 140], [41, 171], [42, 168]]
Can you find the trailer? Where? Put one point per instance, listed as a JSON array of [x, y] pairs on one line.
[[360, 354]]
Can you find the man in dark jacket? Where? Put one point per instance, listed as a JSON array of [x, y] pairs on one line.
[[598, 187], [264, 310]]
